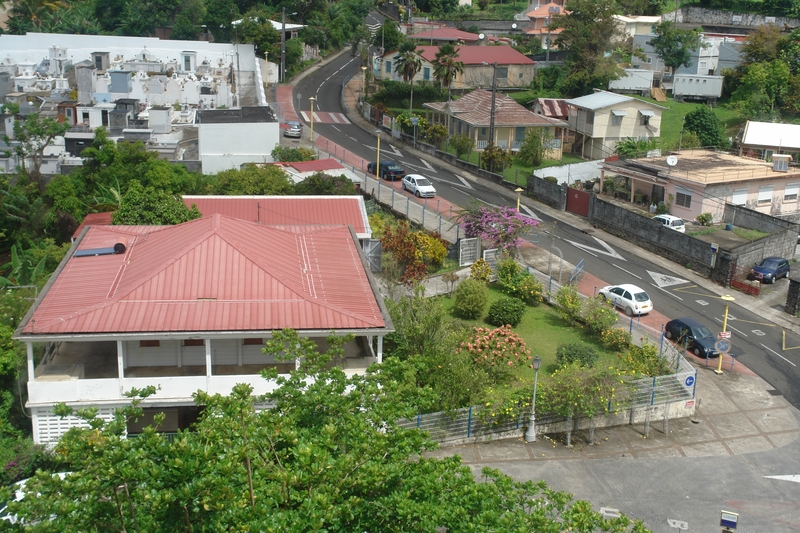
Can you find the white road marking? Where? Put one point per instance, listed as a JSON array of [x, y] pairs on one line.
[[666, 291], [463, 181], [397, 152], [702, 302], [530, 212], [665, 280], [793, 478], [731, 327], [609, 251], [430, 168], [628, 271], [779, 355]]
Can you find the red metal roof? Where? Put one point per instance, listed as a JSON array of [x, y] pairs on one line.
[[214, 274], [446, 34], [477, 55], [94, 219], [476, 108], [288, 210], [317, 165], [554, 107]]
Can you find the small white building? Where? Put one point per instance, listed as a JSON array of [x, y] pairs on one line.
[[229, 138]]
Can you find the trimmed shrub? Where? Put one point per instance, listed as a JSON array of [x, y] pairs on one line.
[[615, 339], [506, 311], [704, 219], [470, 297], [575, 352], [568, 303], [480, 271], [598, 315]]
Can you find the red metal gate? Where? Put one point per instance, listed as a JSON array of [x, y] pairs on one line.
[[578, 202]]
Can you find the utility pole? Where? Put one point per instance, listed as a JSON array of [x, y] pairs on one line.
[[494, 100], [283, 45]]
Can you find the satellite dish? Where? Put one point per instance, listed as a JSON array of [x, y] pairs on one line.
[[672, 160], [481, 36], [514, 26]]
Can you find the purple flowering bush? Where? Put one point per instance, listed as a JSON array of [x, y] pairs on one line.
[[501, 227]]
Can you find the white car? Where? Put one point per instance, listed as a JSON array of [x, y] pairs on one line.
[[671, 222], [17, 494], [629, 298], [419, 185]]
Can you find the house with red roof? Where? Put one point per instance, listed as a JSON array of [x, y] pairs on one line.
[[540, 19], [472, 115], [512, 69], [440, 35], [189, 307]]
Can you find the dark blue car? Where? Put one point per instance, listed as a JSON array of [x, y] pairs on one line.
[[690, 333], [771, 269]]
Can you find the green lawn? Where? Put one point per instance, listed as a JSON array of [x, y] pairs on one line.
[[543, 330]]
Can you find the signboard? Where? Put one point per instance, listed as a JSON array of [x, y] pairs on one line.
[[728, 519], [714, 247], [689, 381], [722, 346], [724, 335]]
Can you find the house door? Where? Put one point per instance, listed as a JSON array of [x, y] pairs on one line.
[[578, 202]]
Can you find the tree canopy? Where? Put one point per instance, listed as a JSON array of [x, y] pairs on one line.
[[329, 455], [674, 45]]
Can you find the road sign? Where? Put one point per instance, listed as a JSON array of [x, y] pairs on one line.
[[728, 519], [689, 381], [724, 335], [722, 346]]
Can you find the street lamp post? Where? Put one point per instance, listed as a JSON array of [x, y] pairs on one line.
[[519, 191], [414, 121], [378, 157], [530, 435], [728, 299], [364, 80], [312, 100]]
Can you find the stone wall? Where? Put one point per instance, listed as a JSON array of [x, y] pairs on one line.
[[547, 192], [793, 297], [711, 17]]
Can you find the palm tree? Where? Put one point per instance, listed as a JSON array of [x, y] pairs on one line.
[[407, 64], [446, 66], [35, 12]]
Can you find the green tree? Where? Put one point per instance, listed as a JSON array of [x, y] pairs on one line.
[[763, 88], [674, 45], [762, 45], [33, 15], [31, 137], [446, 66], [462, 144], [494, 157], [253, 180], [705, 124], [533, 148], [588, 33], [328, 454], [388, 37], [407, 64], [255, 28], [152, 207], [436, 134], [322, 184]]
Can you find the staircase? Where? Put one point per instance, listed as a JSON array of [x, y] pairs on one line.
[[658, 94]]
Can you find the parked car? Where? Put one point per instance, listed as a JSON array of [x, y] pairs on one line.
[[18, 492], [671, 222], [419, 185], [295, 129], [630, 298], [771, 269], [697, 338], [389, 170]]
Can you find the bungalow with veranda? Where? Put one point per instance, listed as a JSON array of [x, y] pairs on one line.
[[189, 307]]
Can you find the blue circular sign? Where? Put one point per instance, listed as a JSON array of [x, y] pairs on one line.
[[689, 381]]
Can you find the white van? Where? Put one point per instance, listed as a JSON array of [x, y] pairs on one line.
[[671, 222]]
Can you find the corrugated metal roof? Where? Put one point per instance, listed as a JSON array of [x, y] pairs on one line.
[[446, 34], [477, 55], [94, 219], [214, 274], [316, 165], [288, 210], [768, 134], [598, 100], [554, 107], [475, 109]]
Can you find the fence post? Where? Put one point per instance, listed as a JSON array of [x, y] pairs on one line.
[[423, 216], [379, 190], [653, 394], [666, 419], [392, 197], [440, 224], [661, 348], [630, 330], [469, 423], [419, 420], [408, 204]]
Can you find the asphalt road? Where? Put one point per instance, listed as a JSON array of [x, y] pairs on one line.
[[757, 342]]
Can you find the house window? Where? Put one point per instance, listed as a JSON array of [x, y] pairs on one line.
[[519, 134], [149, 344], [502, 73], [683, 198], [252, 342], [644, 116], [458, 127], [616, 116], [740, 196], [388, 67], [483, 131], [590, 117], [194, 342], [765, 194], [790, 192], [426, 73]]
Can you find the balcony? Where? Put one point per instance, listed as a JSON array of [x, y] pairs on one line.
[[89, 373]]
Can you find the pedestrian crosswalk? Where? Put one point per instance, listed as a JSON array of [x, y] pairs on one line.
[[373, 28], [322, 117]]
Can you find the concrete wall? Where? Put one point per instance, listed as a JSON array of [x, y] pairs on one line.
[[547, 192], [749, 218], [699, 15]]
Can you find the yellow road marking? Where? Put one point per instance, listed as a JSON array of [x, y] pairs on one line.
[[784, 343]]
